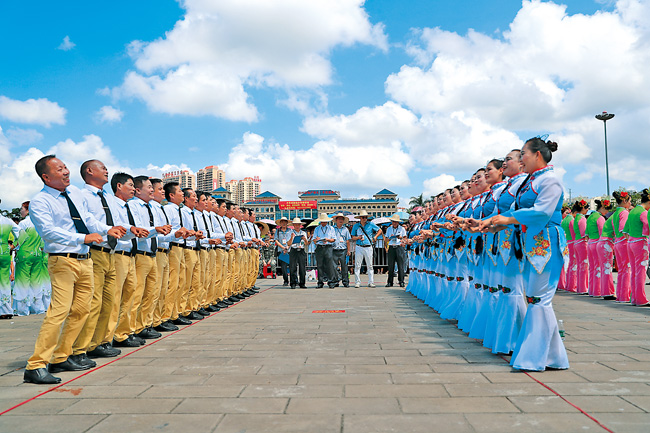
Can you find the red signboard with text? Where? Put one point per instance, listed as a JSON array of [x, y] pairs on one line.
[[298, 205]]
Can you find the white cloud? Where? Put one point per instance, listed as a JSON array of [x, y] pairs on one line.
[[36, 111], [23, 137], [67, 44], [108, 114], [327, 164], [438, 184], [204, 65]]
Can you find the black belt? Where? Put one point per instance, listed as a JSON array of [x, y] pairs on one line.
[[72, 255], [102, 249], [163, 250], [176, 244], [220, 247], [124, 253], [364, 246], [144, 253], [325, 246]]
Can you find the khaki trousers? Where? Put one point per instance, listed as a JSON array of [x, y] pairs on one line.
[[162, 263], [210, 283], [189, 296], [229, 274], [204, 260], [255, 267], [176, 283], [94, 329], [220, 268], [146, 271], [72, 292], [240, 269], [126, 283]]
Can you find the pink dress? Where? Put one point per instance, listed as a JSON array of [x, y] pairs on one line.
[[582, 260], [622, 259], [595, 270]]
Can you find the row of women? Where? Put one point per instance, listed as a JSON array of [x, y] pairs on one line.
[[28, 267], [596, 239], [489, 254]]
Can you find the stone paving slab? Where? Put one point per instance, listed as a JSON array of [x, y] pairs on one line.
[[388, 364]]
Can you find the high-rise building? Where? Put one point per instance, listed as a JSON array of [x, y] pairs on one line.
[[184, 177], [244, 190], [210, 178]]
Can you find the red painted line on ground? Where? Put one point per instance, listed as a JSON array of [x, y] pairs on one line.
[[121, 357], [565, 400], [328, 311]]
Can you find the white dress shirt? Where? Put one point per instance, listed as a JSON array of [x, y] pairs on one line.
[[51, 217]]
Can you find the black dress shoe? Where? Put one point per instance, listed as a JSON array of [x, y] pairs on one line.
[[402, 285], [40, 376], [149, 333], [286, 283], [293, 287], [319, 286], [194, 316], [83, 360], [67, 365], [223, 305], [346, 284], [166, 327], [104, 351], [240, 296], [203, 312], [181, 321], [129, 342], [255, 289], [609, 298], [212, 308], [331, 286], [234, 299], [389, 285], [227, 301], [303, 286]]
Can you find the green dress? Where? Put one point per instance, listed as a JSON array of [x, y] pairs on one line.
[[32, 282], [7, 227]]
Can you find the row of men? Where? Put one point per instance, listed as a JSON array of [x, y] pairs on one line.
[[125, 268], [334, 246], [594, 240]]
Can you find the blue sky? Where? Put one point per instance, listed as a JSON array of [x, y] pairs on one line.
[[411, 96]]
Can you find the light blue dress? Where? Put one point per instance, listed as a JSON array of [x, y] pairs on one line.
[[539, 212]]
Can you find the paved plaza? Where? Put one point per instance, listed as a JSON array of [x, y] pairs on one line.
[[387, 364]]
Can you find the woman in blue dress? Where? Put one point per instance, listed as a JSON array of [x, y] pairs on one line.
[[536, 216]]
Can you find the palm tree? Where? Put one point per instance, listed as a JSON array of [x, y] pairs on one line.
[[416, 201]]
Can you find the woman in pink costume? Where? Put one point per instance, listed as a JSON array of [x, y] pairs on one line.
[[572, 269], [619, 218], [636, 228], [567, 219], [605, 257], [580, 246], [595, 224]]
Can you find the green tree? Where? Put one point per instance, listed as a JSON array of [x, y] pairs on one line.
[[14, 213], [418, 200]]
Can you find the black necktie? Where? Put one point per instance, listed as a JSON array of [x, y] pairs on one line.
[[165, 215], [154, 241], [196, 229], [221, 225], [112, 241], [206, 225], [134, 242], [76, 217], [180, 215]]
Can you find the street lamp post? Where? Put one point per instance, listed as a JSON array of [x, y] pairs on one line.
[[605, 116]]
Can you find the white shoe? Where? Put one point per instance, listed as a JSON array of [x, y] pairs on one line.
[[357, 285], [371, 285]]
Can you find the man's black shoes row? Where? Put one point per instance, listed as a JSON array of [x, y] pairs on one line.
[[104, 351]]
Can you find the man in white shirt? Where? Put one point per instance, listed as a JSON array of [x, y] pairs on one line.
[[104, 208], [298, 255], [342, 249], [62, 220], [189, 296], [324, 238], [224, 262], [396, 252]]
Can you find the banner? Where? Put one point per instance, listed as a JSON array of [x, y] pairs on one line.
[[298, 205]]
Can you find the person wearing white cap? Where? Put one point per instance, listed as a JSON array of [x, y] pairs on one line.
[[366, 234], [395, 233], [298, 255], [342, 249], [282, 237], [324, 238]]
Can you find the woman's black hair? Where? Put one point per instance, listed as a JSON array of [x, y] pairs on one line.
[[645, 195], [577, 207], [546, 148], [621, 196], [496, 162]]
